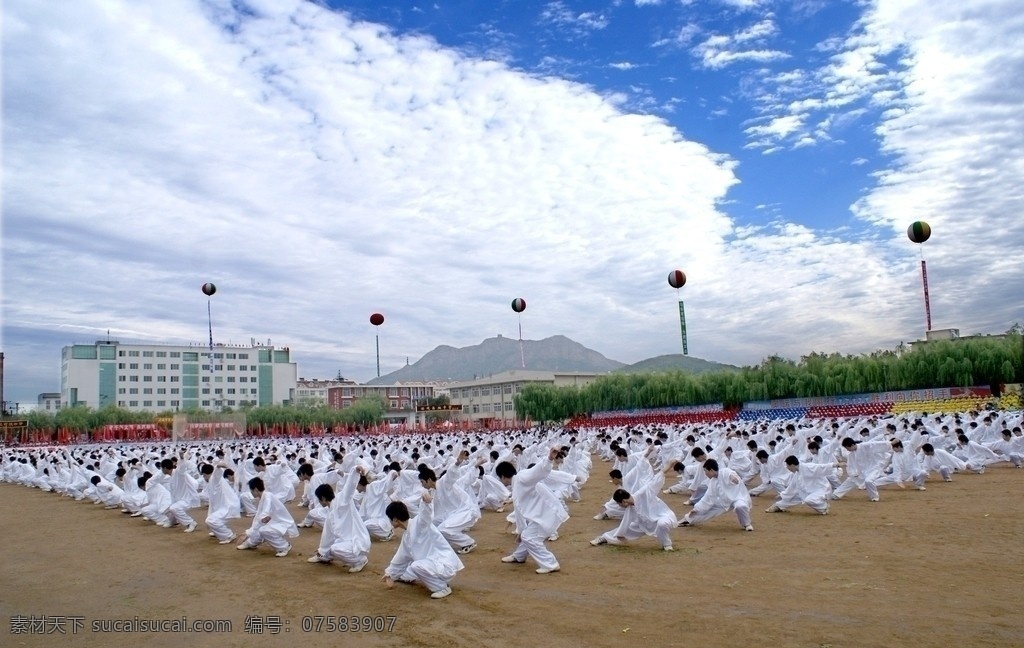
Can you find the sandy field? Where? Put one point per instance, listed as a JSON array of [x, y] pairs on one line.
[[940, 567]]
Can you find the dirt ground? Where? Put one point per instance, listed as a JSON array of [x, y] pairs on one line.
[[940, 567]]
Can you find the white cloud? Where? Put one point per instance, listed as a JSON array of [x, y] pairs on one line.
[[558, 14], [718, 51], [319, 170], [622, 65]]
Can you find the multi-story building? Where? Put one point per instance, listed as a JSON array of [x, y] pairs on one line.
[[158, 377], [490, 401], [48, 402], [403, 396], [315, 391]]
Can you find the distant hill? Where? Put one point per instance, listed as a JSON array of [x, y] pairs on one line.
[[556, 353], [497, 354], [676, 362]]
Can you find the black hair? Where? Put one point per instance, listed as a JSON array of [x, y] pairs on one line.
[[324, 492], [505, 469], [397, 511]]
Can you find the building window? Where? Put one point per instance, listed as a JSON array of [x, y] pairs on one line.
[[206, 403], [507, 389], [120, 365], [174, 390], [133, 379], [148, 366], [231, 390], [133, 365], [120, 390], [231, 367], [161, 378], [133, 390], [161, 403], [147, 379], [161, 390], [174, 403], [147, 354], [486, 391], [175, 354], [243, 356], [231, 379], [147, 390], [133, 354], [206, 390], [175, 378], [133, 403], [122, 378], [148, 403], [175, 367], [161, 354]]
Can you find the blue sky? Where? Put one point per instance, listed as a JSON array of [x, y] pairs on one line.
[[320, 162]]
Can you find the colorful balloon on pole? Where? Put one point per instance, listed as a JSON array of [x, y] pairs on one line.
[[377, 319], [209, 289], [919, 232], [519, 305], [677, 279]]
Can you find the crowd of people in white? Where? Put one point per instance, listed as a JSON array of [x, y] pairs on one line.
[[435, 487]]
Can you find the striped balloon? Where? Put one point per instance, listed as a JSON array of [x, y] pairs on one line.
[[209, 289], [677, 279], [919, 231], [519, 304]]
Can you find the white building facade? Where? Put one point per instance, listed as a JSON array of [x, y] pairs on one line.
[[156, 377], [490, 401]]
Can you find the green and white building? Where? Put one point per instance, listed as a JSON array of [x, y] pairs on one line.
[[159, 377]]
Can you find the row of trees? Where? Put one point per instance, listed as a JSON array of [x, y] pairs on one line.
[[988, 361], [364, 412]]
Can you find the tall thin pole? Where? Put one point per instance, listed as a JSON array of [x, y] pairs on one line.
[[209, 315], [682, 325], [927, 302], [377, 335], [522, 355]]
